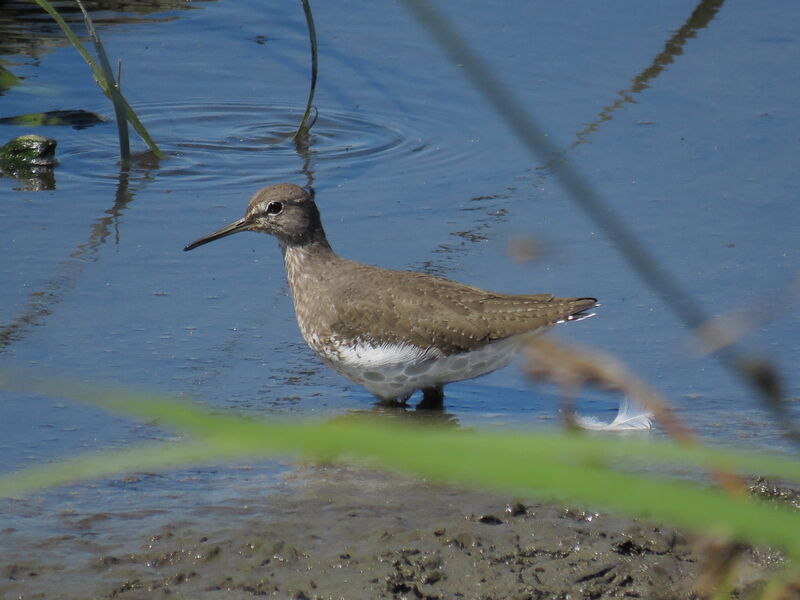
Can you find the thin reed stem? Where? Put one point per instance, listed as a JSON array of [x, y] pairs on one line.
[[307, 123]]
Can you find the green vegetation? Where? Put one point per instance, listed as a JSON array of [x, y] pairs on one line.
[[7, 79], [110, 86], [28, 150], [598, 471]]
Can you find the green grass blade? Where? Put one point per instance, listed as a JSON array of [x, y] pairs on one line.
[[463, 458], [105, 84], [7, 79], [564, 467], [113, 88], [560, 447], [133, 119], [305, 123], [135, 459]]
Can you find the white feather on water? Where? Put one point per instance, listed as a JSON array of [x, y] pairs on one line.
[[630, 417]]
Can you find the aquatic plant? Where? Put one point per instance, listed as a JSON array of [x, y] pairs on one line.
[[563, 466], [306, 123], [104, 77]]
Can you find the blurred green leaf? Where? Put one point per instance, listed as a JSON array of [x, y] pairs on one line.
[[555, 466]]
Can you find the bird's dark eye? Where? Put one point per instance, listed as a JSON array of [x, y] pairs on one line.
[[274, 208]]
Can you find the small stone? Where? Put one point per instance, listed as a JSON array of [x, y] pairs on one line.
[[515, 509], [489, 520]]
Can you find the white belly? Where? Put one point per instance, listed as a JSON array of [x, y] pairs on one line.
[[395, 371]]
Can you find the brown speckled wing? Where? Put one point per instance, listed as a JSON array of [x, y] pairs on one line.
[[419, 309]]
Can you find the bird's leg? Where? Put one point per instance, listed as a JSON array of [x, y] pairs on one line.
[[432, 398]]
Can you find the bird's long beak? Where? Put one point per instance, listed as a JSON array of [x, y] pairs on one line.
[[236, 227]]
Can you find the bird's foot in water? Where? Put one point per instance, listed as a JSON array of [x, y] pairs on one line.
[[432, 398]]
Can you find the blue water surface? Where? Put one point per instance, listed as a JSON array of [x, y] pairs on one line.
[[685, 124]]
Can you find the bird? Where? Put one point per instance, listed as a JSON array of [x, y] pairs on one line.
[[392, 332]]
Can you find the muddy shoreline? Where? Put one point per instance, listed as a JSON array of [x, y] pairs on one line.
[[339, 532]]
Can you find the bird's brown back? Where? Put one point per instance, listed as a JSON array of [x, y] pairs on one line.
[[362, 302]]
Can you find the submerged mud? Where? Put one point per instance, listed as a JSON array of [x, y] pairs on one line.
[[334, 532]]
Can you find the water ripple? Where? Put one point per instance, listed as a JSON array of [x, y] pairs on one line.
[[247, 143]]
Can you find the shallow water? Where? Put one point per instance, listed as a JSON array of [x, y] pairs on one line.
[[689, 134]]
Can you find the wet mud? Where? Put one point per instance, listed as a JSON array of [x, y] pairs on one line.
[[334, 532]]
